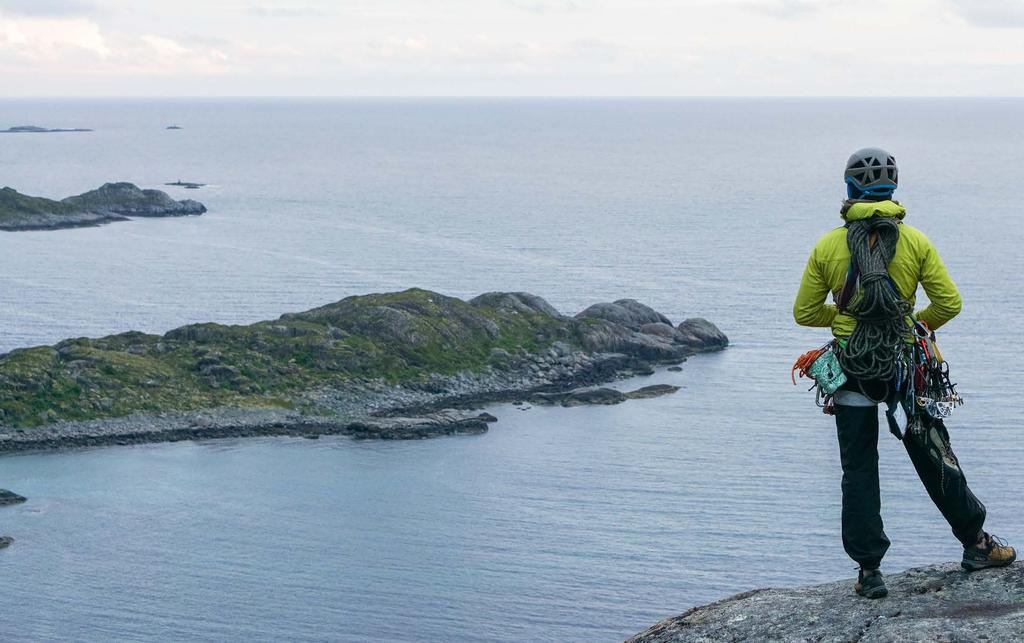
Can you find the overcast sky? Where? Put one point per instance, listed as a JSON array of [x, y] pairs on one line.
[[511, 47]]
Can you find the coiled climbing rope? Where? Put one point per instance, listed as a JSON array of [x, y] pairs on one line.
[[881, 331]]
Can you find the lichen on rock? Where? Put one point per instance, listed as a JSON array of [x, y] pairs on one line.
[[936, 603]]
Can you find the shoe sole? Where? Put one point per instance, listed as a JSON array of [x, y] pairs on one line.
[[973, 566], [876, 592]]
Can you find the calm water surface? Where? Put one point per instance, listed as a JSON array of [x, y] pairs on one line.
[[559, 524]]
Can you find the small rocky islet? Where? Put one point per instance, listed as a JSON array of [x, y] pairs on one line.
[[108, 203], [9, 498], [402, 365], [35, 129]]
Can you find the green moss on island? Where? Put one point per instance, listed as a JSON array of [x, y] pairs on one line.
[[398, 337], [321, 361], [15, 205]]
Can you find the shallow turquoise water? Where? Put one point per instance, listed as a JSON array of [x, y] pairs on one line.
[[559, 524]]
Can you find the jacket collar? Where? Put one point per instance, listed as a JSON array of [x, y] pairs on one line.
[[855, 210]]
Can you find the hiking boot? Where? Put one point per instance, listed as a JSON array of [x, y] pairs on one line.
[[993, 552], [870, 584]]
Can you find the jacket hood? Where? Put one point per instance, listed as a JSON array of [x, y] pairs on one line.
[[857, 210]]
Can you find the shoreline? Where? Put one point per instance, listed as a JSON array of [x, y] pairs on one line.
[[391, 413]]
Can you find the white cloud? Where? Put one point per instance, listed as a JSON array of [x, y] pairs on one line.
[[45, 7], [991, 13], [481, 54], [789, 9], [467, 47], [159, 55], [545, 6], [166, 47], [51, 39], [77, 45], [285, 11]]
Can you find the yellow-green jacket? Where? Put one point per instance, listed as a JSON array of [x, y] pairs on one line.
[[916, 262]]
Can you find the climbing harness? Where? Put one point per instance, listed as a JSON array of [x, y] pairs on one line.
[[921, 385]]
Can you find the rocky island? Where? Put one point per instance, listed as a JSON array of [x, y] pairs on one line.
[[10, 498], [400, 365], [110, 202], [35, 129], [936, 603]]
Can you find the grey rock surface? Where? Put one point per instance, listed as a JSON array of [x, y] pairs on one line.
[[126, 199], [10, 498], [700, 333], [523, 302], [580, 397], [601, 395], [660, 329], [627, 312], [655, 390], [239, 422], [604, 396], [35, 129], [609, 337], [935, 603], [627, 326], [110, 203]]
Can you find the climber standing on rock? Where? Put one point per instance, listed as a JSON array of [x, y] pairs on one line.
[[884, 352]]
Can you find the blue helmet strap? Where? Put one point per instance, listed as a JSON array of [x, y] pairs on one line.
[[880, 192]]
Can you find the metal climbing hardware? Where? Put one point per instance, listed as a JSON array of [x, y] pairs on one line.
[[935, 393], [922, 387]]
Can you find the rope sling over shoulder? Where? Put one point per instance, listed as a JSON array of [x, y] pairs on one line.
[[871, 353]]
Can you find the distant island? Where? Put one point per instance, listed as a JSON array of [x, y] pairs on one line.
[[108, 203], [188, 185], [403, 365], [34, 129], [174, 127]]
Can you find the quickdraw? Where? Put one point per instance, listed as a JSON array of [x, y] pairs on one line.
[[931, 391]]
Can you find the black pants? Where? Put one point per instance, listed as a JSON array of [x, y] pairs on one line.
[[863, 537]]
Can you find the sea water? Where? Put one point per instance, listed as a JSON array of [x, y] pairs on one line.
[[581, 524]]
